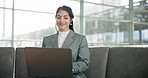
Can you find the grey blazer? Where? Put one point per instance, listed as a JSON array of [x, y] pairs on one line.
[[80, 51]]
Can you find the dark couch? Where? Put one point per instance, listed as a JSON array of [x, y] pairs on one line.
[[106, 62]]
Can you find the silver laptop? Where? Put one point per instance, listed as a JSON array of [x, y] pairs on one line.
[[49, 62]]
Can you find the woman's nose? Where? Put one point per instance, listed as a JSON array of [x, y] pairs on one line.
[[62, 20]]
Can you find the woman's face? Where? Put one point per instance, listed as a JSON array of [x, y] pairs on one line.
[[63, 21]]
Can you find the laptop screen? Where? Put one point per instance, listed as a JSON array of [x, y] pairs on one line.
[[49, 62]]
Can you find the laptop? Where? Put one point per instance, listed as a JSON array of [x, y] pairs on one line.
[[49, 62]]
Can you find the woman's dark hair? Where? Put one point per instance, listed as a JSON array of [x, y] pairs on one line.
[[69, 11]]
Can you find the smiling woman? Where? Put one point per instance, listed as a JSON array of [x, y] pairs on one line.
[[66, 37]]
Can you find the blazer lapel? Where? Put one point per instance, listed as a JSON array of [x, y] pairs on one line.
[[54, 40], [68, 41]]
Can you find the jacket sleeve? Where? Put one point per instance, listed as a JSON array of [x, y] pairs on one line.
[[83, 58]]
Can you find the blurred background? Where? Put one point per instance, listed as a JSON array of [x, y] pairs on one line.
[[24, 23]]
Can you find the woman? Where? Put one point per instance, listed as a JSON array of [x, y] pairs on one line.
[[67, 38]]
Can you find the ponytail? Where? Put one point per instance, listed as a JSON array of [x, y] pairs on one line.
[[71, 26]]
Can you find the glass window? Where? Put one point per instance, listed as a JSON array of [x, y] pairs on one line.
[[6, 3], [26, 22], [32, 26], [1, 23], [105, 24], [1, 3], [124, 2], [140, 21], [94, 1], [9, 3], [46, 5], [6, 27]]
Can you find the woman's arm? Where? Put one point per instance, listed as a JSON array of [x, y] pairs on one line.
[[83, 60]]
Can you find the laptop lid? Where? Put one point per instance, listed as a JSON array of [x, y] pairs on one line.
[[49, 62]]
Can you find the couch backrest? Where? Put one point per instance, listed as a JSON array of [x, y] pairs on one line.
[[6, 62], [20, 65], [98, 62], [127, 62]]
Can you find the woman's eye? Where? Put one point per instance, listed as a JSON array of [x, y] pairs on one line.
[[58, 17], [65, 18]]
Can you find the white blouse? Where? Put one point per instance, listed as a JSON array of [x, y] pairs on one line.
[[61, 38]]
